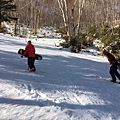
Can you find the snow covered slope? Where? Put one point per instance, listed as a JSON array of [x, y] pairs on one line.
[[66, 86]]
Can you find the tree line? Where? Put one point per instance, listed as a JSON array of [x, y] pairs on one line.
[[76, 19], [75, 15]]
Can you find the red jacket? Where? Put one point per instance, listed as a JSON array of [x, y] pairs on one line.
[[111, 58], [30, 50]]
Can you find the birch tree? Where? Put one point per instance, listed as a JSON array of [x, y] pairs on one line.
[[64, 10], [75, 15], [80, 10]]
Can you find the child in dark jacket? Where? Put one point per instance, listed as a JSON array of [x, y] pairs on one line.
[[114, 64]]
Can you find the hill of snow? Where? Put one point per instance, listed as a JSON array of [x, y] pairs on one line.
[[66, 86]]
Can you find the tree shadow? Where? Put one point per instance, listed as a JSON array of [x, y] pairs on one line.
[[62, 105], [86, 76]]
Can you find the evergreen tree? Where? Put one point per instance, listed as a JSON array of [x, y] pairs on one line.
[[6, 6]]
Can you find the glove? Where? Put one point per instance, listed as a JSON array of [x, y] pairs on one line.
[[21, 56]]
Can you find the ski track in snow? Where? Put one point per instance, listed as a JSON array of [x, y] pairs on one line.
[[66, 86]]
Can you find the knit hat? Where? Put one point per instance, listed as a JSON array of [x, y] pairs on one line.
[[105, 51], [29, 42]]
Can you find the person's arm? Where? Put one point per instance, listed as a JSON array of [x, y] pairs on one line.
[[112, 59], [26, 50]]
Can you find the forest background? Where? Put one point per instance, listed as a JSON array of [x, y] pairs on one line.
[[79, 21]]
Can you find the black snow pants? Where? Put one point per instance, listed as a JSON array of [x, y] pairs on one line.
[[31, 61], [113, 72]]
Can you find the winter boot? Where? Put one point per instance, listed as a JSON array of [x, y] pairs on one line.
[[113, 81], [32, 70]]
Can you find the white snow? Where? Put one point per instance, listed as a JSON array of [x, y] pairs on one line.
[[66, 86]]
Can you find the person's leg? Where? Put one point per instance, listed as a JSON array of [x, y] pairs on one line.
[[28, 63], [115, 71], [32, 66], [117, 74], [112, 74]]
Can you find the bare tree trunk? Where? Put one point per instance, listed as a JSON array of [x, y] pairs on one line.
[[73, 18], [40, 13], [80, 9], [76, 14], [35, 13], [64, 10], [67, 20]]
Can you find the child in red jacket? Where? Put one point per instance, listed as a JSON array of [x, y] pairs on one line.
[[114, 64], [30, 50]]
